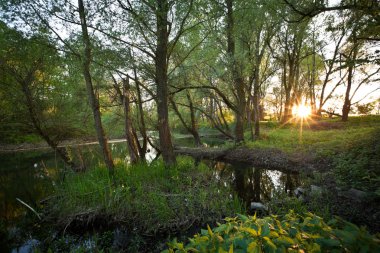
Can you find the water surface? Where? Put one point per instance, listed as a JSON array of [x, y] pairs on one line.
[[31, 175]]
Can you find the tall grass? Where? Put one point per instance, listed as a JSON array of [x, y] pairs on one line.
[[150, 198]]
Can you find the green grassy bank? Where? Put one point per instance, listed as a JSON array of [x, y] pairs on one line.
[[146, 200]]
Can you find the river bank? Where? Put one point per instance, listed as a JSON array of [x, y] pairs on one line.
[[331, 171]]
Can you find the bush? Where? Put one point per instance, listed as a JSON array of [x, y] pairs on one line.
[[292, 233]]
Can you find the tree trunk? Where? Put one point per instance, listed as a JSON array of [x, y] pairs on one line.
[[237, 78], [142, 127], [256, 87], [288, 88], [287, 107], [194, 125], [347, 101], [161, 75], [256, 110], [38, 126], [131, 140], [94, 102], [193, 129]]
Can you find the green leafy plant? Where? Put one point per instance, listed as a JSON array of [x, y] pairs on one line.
[[291, 233]]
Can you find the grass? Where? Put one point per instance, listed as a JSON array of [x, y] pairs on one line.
[[149, 198], [350, 154], [331, 138]]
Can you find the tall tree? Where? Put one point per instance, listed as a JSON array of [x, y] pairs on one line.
[[161, 76], [94, 102], [237, 78]]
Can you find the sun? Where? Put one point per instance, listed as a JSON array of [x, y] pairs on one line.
[[301, 111]]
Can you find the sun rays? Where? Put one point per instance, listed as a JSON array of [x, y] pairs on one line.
[[301, 111], [302, 116]]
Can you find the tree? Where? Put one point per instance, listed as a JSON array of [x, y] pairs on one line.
[[94, 102], [31, 67], [235, 69]]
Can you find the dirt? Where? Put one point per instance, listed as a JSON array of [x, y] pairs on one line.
[[264, 158]]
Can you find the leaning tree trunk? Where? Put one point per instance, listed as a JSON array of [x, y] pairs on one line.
[[94, 102], [38, 126], [142, 148], [131, 140], [161, 72]]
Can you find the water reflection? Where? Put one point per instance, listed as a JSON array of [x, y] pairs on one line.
[[254, 184], [27, 176], [31, 176]]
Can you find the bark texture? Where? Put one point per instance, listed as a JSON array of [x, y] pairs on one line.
[[161, 76]]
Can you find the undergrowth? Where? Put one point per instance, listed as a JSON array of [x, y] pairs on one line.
[[289, 233], [148, 198]]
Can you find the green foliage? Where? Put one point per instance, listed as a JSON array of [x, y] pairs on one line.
[[55, 100], [365, 108], [357, 166], [150, 198], [290, 233]]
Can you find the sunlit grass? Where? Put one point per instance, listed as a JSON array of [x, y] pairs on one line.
[[324, 141]]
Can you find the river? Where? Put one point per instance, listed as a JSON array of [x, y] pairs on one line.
[[30, 176]]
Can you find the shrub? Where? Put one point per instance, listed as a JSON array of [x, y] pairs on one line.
[[292, 233]]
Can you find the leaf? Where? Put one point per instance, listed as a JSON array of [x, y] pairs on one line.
[[209, 230], [273, 234], [243, 217], [240, 243], [271, 247], [221, 250], [285, 240], [266, 230], [250, 230], [231, 249], [330, 243], [253, 247], [192, 249], [220, 239], [221, 228], [204, 232]]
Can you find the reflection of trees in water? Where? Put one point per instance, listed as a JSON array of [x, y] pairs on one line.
[[289, 182], [20, 179], [253, 184]]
